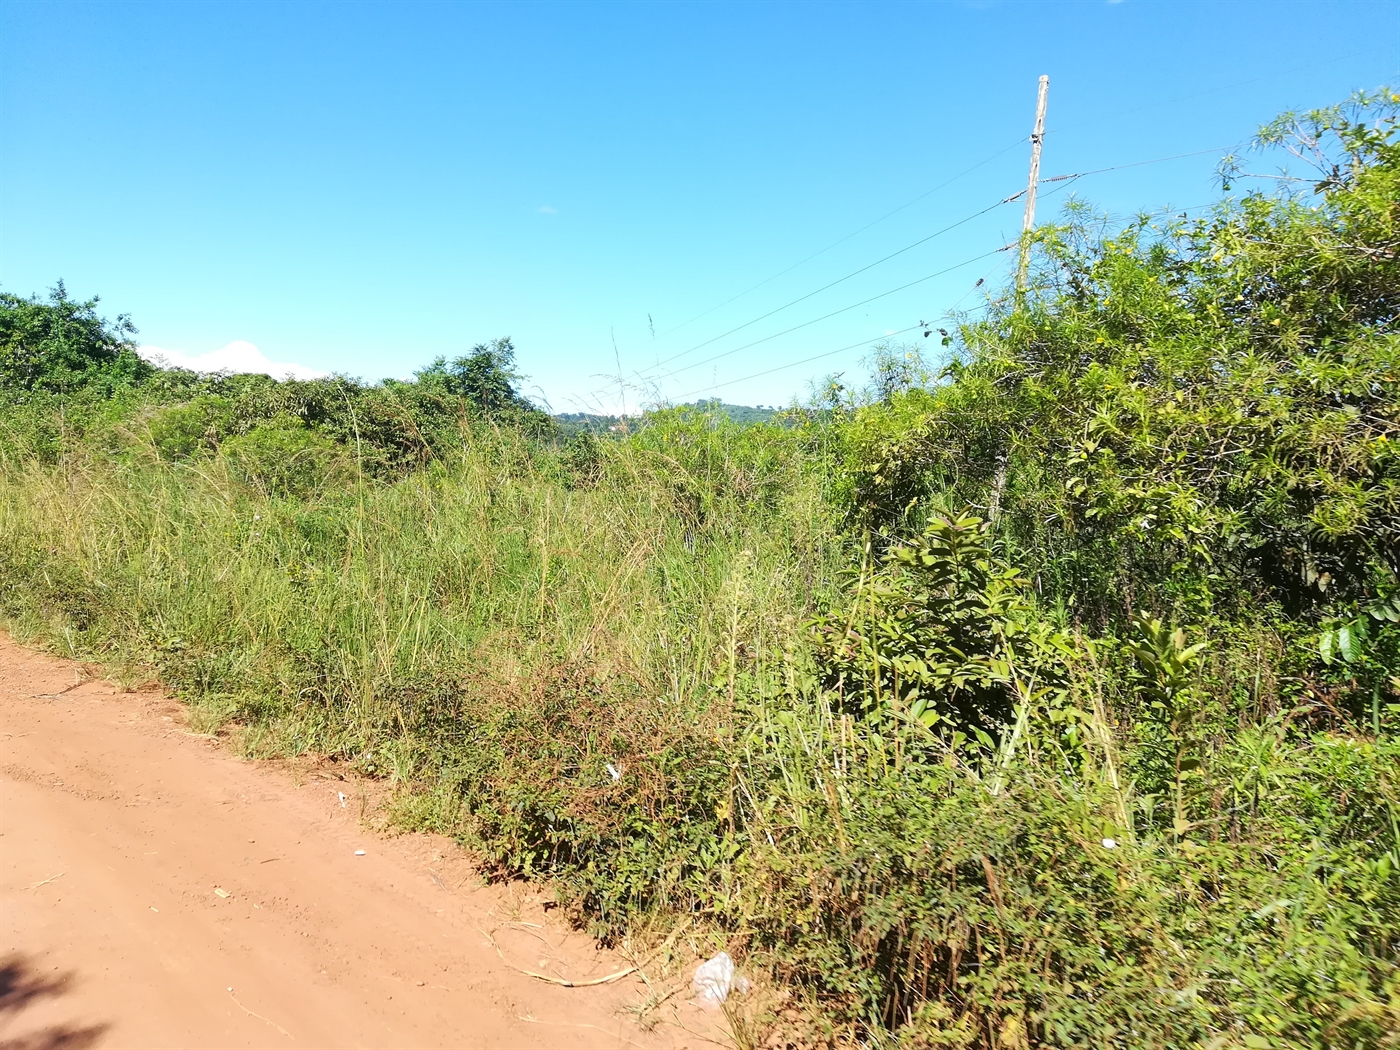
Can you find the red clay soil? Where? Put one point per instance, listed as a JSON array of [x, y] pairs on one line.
[[156, 891]]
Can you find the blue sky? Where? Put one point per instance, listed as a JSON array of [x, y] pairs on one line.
[[361, 187]]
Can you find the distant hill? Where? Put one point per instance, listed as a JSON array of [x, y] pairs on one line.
[[580, 422], [744, 415], [738, 413]]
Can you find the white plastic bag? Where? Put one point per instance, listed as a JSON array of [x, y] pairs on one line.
[[714, 980]]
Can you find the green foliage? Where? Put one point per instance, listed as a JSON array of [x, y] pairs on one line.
[[486, 379], [1346, 639], [284, 458], [940, 633], [573, 423], [1032, 917], [897, 370], [1172, 712], [581, 779], [1184, 415], [711, 463], [183, 431], [582, 459], [62, 345], [743, 415]]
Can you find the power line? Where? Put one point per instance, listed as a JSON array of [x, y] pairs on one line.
[[843, 240], [1069, 178], [980, 281], [824, 317], [805, 360], [1021, 141], [1136, 164], [642, 372], [885, 335], [1118, 167], [823, 288], [831, 353]]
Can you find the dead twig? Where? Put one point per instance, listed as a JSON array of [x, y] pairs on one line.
[[52, 696], [563, 982], [260, 1017]]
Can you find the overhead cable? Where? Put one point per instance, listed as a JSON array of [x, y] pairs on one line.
[[844, 309], [835, 244], [1068, 178], [805, 360], [1054, 178], [831, 353], [823, 288], [1136, 164]]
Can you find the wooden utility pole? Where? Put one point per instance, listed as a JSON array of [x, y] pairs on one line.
[[1028, 222]]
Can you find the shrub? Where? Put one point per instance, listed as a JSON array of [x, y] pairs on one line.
[[283, 458], [62, 345]]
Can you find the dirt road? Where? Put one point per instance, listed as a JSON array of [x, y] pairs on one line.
[[156, 891]]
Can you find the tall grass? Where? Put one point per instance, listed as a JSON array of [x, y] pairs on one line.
[[484, 562], [493, 632], [603, 674]]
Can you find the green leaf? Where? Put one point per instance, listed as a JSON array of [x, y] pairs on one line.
[[1273, 906], [1191, 652]]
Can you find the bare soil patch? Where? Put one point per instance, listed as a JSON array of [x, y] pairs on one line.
[[156, 891]]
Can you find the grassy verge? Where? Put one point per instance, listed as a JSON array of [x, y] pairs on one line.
[[488, 633], [588, 684]]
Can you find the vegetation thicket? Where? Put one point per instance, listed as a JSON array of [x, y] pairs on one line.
[[1052, 699]]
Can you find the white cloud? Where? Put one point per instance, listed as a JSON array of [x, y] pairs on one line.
[[237, 356], [545, 209]]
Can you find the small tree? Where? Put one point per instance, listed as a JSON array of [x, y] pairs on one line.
[[487, 378], [62, 345]]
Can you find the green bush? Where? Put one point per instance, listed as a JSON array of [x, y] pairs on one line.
[[284, 458], [1193, 419], [62, 346], [182, 431], [1034, 917]]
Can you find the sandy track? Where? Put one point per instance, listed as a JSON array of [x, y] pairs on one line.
[[117, 829]]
